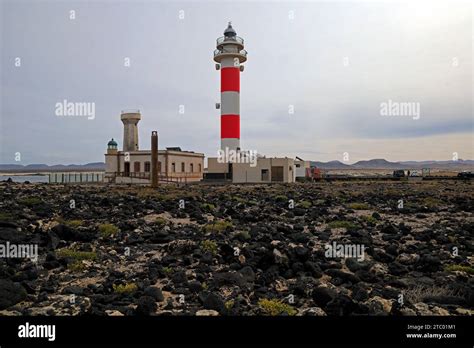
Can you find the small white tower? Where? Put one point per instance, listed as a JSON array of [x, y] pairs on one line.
[[112, 147], [130, 119]]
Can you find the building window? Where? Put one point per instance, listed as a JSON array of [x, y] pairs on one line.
[[127, 168], [199, 167], [182, 168], [191, 167], [297, 165], [136, 167], [159, 167], [173, 167], [147, 167], [265, 175]]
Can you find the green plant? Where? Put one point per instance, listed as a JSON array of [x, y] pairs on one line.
[[218, 226], [74, 223], [461, 268], [431, 202], [208, 206], [160, 221], [420, 292], [275, 307], [342, 224], [5, 216], [30, 201], [358, 206], [305, 204], [229, 305], [167, 270], [76, 255], [125, 288], [369, 219], [243, 235], [76, 266], [239, 199], [281, 198], [107, 230], [209, 246]]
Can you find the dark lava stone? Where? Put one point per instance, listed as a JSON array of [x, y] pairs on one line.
[[213, 301], [300, 237], [376, 215], [360, 294], [396, 268], [387, 293], [328, 265], [154, 293], [146, 305], [195, 286], [179, 277], [10, 293], [12, 234], [160, 237], [392, 249], [297, 267], [367, 276], [313, 268], [228, 278], [345, 276], [388, 229], [73, 289], [227, 252], [454, 300], [299, 211], [340, 305], [323, 295], [302, 253], [429, 263], [355, 265], [67, 233], [248, 274], [381, 256], [207, 258]]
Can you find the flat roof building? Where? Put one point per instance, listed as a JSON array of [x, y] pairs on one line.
[[132, 165]]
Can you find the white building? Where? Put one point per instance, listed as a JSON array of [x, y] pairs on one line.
[[132, 165]]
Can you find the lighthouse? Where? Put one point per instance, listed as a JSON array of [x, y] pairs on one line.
[[229, 56]]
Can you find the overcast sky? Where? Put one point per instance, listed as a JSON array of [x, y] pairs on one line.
[[333, 63]]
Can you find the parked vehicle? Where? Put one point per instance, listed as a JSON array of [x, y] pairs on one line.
[[465, 175], [400, 173], [314, 174]]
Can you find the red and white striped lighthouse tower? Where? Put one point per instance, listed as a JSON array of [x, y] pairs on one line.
[[229, 55]]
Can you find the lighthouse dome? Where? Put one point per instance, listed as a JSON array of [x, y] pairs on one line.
[[230, 32], [112, 142]]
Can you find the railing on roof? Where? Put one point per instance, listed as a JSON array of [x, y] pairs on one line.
[[222, 39], [241, 52]]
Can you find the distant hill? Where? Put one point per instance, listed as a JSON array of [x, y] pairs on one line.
[[380, 163], [331, 165], [95, 166]]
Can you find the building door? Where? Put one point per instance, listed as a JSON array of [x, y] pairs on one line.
[[136, 167], [127, 168], [231, 170], [277, 173]]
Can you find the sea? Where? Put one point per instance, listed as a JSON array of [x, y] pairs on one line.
[[23, 178]]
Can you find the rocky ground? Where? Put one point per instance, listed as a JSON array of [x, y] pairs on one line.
[[239, 250]]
